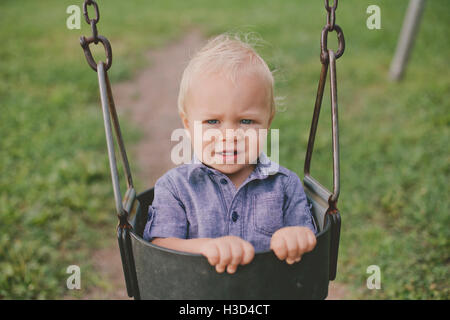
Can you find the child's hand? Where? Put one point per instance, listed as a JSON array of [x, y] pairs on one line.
[[290, 243], [228, 252]]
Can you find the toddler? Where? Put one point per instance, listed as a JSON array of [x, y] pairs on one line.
[[229, 203]]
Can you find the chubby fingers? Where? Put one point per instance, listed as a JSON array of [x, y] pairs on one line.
[[242, 253], [291, 243], [211, 252], [310, 240], [279, 246], [294, 247], [237, 253], [228, 252], [225, 256], [249, 252]]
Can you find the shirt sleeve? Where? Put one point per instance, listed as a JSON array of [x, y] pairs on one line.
[[296, 207], [166, 215]]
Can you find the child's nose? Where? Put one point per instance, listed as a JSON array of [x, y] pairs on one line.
[[228, 130], [232, 135]]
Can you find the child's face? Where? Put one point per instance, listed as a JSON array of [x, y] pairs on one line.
[[215, 102]]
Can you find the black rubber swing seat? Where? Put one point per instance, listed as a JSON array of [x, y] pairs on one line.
[[161, 273]]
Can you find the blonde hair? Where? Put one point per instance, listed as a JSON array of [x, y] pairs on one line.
[[231, 55]]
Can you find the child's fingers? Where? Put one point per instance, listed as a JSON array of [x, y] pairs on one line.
[[211, 252], [249, 252], [231, 268], [279, 247], [312, 241], [236, 256], [236, 252], [220, 268], [225, 256], [292, 247], [302, 242], [307, 241]]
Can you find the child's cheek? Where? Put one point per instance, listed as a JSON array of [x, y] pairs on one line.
[[204, 150], [256, 147], [208, 152]]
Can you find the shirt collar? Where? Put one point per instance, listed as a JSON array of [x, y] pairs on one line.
[[264, 168]]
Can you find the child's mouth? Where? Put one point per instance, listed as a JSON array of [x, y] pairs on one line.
[[228, 156]]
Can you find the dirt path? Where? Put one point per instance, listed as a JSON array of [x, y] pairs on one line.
[[150, 101]]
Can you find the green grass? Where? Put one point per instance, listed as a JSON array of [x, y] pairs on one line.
[[55, 195]]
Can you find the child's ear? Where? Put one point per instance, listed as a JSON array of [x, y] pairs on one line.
[[185, 121]]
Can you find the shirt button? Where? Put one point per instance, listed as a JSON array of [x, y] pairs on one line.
[[234, 216], [223, 181]]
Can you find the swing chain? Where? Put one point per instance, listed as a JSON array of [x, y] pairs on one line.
[[331, 14], [95, 38], [331, 26], [92, 22]]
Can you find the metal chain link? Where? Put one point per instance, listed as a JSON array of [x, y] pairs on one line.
[[95, 38], [331, 26], [331, 14], [327, 5], [92, 22], [86, 13]]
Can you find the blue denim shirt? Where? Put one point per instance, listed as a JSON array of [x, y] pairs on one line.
[[196, 201]]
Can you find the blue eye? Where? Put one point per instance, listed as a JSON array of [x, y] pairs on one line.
[[212, 121], [246, 121]]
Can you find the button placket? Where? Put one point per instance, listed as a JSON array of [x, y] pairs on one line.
[[235, 222], [227, 190], [230, 195]]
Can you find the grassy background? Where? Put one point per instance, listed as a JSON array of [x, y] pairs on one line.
[[55, 198]]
